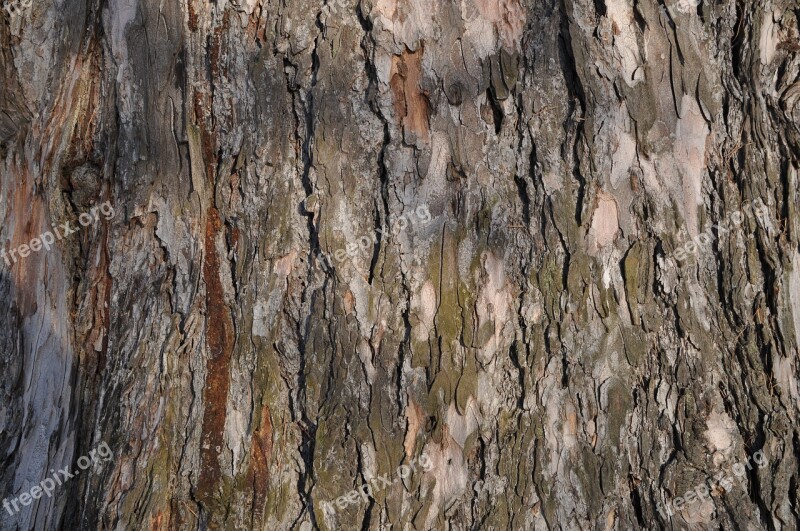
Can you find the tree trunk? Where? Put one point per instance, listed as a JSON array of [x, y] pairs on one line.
[[499, 264]]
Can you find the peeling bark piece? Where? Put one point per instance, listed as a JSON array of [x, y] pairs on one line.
[[411, 106]]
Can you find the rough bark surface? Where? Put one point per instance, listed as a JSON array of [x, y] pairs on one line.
[[536, 339]]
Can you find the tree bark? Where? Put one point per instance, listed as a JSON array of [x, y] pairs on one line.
[[353, 236]]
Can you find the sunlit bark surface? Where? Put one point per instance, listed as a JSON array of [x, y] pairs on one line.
[[349, 237]]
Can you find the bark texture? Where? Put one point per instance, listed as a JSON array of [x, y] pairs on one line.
[[536, 339]]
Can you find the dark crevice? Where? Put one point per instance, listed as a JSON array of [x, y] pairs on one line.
[[793, 486], [405, 347], [365, 523], [522, 184], [738, 49], [514, 355], [367, 46], [307, 428], [383, 175], [764, 513], [306, 139], [638, 18], [497, 110], [522, 188], [479, 523], [600, 8], [578, 106], [636, 502]]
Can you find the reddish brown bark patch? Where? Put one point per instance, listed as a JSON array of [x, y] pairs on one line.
[[157, 523], [411, 105], [219, 342], [193, 18], [24, 270], [261, 449], [202, 106]]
